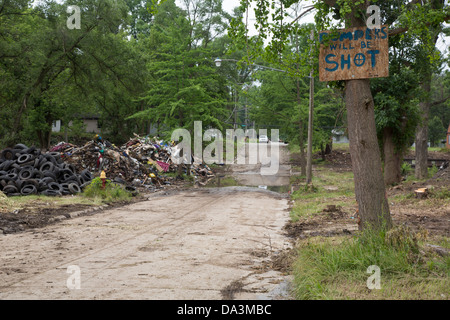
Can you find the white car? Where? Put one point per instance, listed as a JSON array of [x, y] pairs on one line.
[[263, 138]]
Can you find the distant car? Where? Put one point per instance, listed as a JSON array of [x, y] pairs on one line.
[[263, 139]]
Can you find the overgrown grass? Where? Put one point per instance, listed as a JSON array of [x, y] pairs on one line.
[[10, 204], [328, 187], [336, 268], [110, 193], [224, 182]]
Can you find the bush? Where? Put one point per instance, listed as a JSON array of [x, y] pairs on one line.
[[406, 168], [111, 192]]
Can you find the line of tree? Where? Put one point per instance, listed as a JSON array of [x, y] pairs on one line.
[[129, 64], [138, 63], [384, 116]]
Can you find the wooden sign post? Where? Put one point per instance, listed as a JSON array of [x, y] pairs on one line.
[[356, 53]]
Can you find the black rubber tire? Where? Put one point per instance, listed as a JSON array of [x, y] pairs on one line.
[[6, 165], [87, 175], [10, 189], [50, 158], [74, 188], [18, 183], [26, 173], [49, 174], [9, 177], [28, 189], [84, 185], [25, 158], [20, 146], [31, 182], [30, 150], [47, 166], [42, 160], [7, 154], [55, 187], [51, 193]]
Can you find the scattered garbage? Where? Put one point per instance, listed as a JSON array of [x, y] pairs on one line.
[[26, 170], [141, 162]]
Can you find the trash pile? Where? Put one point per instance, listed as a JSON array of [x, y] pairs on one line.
[[26, 170], [140, 162]]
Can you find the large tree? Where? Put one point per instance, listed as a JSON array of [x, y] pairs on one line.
[[366, 161], [53, 72]]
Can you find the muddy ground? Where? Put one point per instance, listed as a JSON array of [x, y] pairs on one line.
[[207, 243], [434, 219], [429, 213]]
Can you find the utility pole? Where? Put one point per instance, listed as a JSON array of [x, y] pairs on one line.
[[235, 109], [310, 119]]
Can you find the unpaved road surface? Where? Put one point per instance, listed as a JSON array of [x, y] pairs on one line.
[[208, 243]]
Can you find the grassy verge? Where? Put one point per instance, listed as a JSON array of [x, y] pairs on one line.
[[12, 204], [328, 187], [93, 195], [226, 181], [337, 267]]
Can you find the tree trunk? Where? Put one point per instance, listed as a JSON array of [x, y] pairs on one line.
[[392, 159], [421, 169], [370, 190]]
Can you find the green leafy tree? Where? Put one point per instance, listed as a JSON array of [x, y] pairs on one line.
[[437, 131], [366, 161]]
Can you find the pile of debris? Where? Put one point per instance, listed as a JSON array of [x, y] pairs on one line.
[[140, 162], [26, 170]]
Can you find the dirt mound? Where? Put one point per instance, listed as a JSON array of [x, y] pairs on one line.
[[443, 174]]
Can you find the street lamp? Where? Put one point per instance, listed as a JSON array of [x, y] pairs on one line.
[[218, 63]]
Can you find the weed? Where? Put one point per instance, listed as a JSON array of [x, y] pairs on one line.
[[432, 171], [329, 270], [443, 193], [406, 169], [111, 191]]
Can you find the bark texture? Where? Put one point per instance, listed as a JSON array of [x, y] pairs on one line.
[[392, 159], [421, 169], [370, 189]]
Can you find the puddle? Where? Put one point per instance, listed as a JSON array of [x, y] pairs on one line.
[[279, 189]]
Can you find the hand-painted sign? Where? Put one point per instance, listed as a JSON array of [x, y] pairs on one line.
[[356, 53]]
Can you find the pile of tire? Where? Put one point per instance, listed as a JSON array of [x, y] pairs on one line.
[[26, 171]]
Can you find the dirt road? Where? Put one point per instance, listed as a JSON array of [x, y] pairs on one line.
[[208, 243]]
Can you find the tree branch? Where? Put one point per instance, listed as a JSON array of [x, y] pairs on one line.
[[435, 103]]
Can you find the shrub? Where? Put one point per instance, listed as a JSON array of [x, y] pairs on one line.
[[111, 192]]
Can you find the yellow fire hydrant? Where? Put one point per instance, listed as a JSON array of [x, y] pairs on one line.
[[103, 177]]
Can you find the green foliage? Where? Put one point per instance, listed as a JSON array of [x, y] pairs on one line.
[[328, 270], [111, 192], [436, 131], [406, 169], [396, 106], [185, 86]]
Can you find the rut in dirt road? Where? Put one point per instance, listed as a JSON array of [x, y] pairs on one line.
[[209, 243], [189, 245]]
